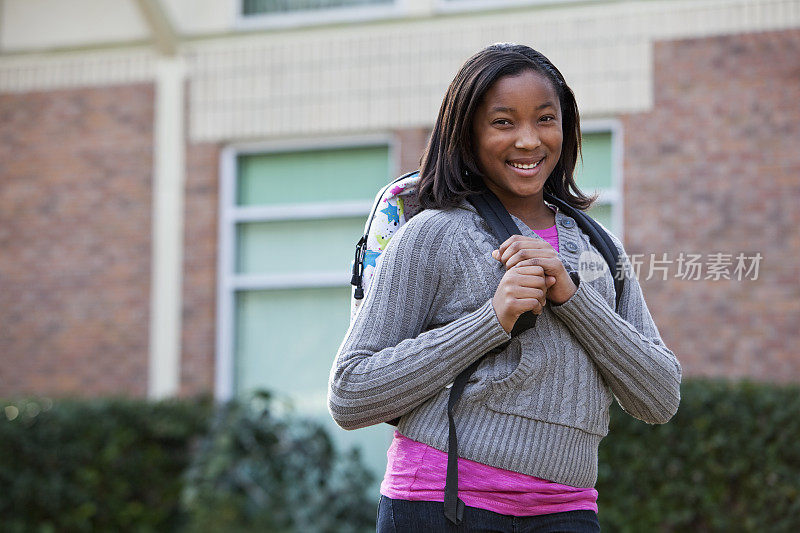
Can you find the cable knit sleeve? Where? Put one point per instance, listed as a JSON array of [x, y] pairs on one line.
[[627, 348], [391, 360]]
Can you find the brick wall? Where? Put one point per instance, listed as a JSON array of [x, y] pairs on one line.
[[715, 167], [200, 269], [411, 144], [75, 205]]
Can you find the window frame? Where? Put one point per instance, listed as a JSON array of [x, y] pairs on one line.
[[612, 196], [317, 17], [228, 281]]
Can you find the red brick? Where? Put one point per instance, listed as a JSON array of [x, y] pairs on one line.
[[715, 167], [75, 207]]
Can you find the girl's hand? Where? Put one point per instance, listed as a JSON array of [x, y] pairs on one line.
[[518, 249], [523, 288]]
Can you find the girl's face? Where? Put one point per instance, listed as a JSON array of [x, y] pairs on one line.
[[518, 136]]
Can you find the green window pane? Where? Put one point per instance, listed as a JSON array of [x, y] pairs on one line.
[[285, 342], [252, 7], [595, 172], [281, 337], [297, 245], [312, 176]]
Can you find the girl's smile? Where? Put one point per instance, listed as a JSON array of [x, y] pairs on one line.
[[517, 130], [525, 165]]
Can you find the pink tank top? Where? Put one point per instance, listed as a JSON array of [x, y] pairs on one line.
[[417, 472]]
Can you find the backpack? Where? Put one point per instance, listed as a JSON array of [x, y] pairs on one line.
[[395, 205]]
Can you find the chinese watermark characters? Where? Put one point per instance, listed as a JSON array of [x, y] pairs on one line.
[[739, 266]]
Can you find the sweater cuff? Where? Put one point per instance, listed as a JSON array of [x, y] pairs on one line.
[[582, 302], [495, 331]]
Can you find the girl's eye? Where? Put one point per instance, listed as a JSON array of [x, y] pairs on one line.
[[501, 122], [547, 118]]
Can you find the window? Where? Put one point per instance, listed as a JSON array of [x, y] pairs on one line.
[[260, 14], [290, 220], [600, 172], [252, 7]]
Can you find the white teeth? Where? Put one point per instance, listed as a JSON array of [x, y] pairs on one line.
[[526, 167]]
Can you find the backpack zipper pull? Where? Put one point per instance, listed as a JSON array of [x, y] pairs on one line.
[[358, 269]]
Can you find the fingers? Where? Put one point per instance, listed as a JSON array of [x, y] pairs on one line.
[[517, 249], [509, 308], [550, 265], [515, 243], [531, 277], [523, 288], [511, 291], [520, 305], [534, 305], [530, 268], [526, 281], [546, 258]]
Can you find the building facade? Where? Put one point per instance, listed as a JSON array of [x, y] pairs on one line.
[[182, 182]]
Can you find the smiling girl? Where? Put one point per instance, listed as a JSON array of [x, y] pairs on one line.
[[447, 292]]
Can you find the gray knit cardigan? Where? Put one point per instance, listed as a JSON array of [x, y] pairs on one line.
[[540, 406]]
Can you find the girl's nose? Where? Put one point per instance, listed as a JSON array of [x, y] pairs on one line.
[[527, 139]]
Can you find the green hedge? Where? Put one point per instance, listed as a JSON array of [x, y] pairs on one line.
[[178, 465], [258, 471], [729, 461], [95, 465]]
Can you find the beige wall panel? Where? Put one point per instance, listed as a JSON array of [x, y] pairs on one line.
[[47, 24], [76, 69], [393, 75], [191, 17]]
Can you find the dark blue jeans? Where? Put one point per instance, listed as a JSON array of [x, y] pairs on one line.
[[403, 516]]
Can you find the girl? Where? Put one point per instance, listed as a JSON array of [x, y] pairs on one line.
[[446, 292]]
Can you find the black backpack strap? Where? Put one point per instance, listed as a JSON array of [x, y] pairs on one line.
[[503, 227], [495, 214], [599, 238]]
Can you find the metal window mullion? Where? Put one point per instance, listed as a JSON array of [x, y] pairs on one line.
[[292, 280], [310, 211]]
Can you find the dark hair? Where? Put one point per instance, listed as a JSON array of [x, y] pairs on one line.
[[449, 171]]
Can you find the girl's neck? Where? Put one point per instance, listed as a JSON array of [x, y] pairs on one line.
[[535, 214]]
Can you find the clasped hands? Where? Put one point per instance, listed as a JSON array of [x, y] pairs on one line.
[[534, 275]]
